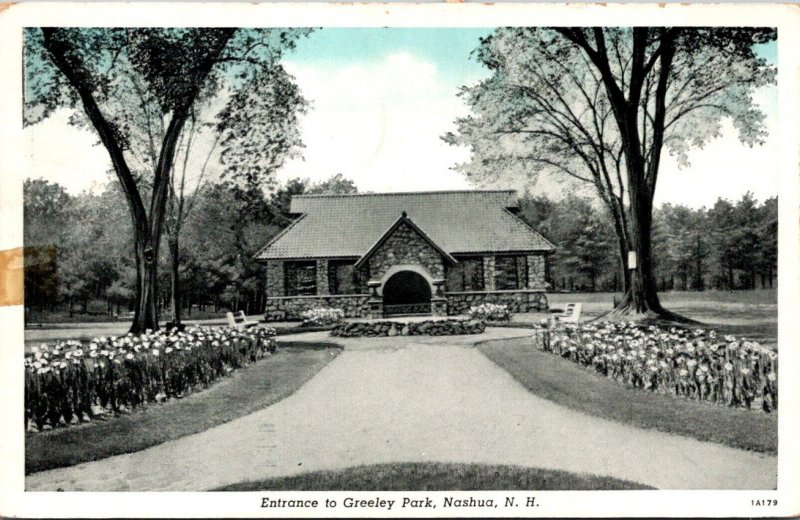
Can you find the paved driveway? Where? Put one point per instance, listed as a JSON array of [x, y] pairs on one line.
[[416, 399]]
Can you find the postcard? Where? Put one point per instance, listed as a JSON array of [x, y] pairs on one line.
[[391, 260]]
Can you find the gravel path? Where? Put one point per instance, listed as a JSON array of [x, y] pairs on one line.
[[416, 399]]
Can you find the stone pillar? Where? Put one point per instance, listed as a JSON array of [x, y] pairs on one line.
[[438, 300], [375, 309], [536, 272], [275, 281], [375, 302], [488, 273], [439, 307], [322, 277]]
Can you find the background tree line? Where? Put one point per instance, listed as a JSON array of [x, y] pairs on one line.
[[731, 245], [79, 254]]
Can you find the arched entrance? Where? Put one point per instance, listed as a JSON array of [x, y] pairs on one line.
[[406, 292]]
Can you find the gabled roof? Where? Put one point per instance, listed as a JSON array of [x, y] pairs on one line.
[[399, 222], [458, 222]]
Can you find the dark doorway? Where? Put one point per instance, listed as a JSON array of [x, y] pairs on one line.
[[406, 292]]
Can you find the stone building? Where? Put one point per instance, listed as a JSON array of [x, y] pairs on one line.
[[384, 254]]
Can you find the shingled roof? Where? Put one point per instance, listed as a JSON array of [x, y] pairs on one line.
[[459, 222]]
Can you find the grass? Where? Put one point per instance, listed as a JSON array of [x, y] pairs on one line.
[[746, 296], [434, 476], [571, 385], [247, 390], [750, 314], [60, 316]]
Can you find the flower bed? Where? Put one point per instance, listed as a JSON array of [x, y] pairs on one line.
[[442, 327], [322, 316], [695, 364], [490, 312], [68, 382]]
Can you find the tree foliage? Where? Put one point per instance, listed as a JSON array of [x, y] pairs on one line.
[[731, 245], [94, 270], [598, 106], [137, 88]]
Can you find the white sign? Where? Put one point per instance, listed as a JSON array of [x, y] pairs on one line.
[[631, 259]]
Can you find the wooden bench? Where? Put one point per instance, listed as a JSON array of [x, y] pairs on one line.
[[239, 321], [570, 314]]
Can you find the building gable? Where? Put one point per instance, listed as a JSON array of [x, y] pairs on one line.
[[404, 243]]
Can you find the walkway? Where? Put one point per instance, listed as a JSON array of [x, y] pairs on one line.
[[416, 399]]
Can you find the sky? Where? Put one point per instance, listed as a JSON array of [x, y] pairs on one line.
[[380, 100]]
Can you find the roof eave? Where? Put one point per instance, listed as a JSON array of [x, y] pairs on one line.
[[258, 256]]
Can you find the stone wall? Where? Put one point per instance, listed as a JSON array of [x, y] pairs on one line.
[[405, 246], [275, 278], [290, 307], [537, 271], [517, 301], [446, 327]]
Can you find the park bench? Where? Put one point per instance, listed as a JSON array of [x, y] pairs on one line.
[[570, 314], [239, 321]]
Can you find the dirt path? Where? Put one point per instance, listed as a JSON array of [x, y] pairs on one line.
[[416, 399]]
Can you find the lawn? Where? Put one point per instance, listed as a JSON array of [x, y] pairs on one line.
[[434, 476], [750, 314], [571, 385], [247, 390]]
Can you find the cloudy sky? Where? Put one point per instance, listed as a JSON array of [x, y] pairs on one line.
[[381, 98]]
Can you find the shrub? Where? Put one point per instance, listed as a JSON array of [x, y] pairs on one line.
[[490, 312], [322, 316], [68, 381], [696, 364]]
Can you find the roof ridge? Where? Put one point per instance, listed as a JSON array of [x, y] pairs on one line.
[[393, 193]]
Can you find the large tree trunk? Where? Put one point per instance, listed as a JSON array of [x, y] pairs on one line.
[[145, 316], [625, 275], [175, 295]]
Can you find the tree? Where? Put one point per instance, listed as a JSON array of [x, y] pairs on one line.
[[129, 82], [46, 210], [281, 199], [684, 249], [251, 152], [585, 244], [229, 226], [599, 105], [335, 185], [768, 246]]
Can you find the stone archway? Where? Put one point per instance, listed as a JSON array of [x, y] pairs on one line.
[[406, 292]]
